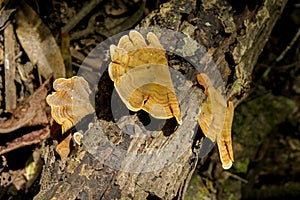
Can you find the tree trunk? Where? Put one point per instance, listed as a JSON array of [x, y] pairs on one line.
[[234, 35]]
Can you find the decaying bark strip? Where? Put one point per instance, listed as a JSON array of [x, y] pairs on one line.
[[235, 39], [10, 69]]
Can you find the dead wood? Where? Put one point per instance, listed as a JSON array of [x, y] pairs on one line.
[[30, 112], [235, 37], [10, 68]]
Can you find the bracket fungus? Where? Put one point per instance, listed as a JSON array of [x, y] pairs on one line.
[[141, 76], [70, 103], [215, 120]]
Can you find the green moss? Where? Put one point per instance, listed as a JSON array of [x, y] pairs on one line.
[[242, 165], [197, 190], [257, 118], [231, 189]]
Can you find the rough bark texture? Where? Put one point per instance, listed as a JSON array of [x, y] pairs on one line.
[[234, 36]]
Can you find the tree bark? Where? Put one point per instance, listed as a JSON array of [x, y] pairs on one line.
[[234, 36]]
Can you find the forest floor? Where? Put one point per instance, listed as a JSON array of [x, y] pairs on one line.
[[266, 128]]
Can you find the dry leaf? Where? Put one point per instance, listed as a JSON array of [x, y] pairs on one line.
[[14, 180], [30, 112], [70, 103], [63, 148], [141, 76], [5, 14], [34, 137], [215, 120], [38, 43]]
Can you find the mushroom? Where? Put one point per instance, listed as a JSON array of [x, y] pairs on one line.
[[70, 103], [141, 76], [215, 120]]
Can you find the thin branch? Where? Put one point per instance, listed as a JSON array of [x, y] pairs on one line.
[[78, 17], [289, 46]]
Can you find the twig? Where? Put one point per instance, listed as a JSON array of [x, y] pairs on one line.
[[88, 30], [115, 25], [289, 46], [82, 13], [10, 68], [236, 177]]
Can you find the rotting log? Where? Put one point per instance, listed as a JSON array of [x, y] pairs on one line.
[[235, 37]]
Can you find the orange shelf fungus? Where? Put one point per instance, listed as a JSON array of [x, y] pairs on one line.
[[141, 76], [215, 120], [70, 103]]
